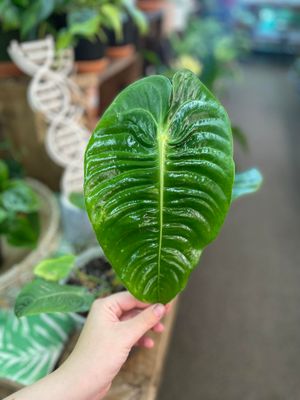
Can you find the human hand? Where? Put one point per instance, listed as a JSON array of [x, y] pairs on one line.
[[114, 325]]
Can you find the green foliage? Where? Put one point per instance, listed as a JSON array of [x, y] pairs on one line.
[[215, 49], [158, 181], [90, 19], [240, 137], [3, 174], [77, 199], [85, 18], [30, 347], [246, 183], [41, 296], [19, 206], [158, 185], [55, 269], [26, 15]]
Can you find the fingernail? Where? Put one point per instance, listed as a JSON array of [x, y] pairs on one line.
[[159, 310]]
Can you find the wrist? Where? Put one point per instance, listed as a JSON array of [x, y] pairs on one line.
[[81, 382]]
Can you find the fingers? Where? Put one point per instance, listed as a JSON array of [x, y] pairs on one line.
[[146, 342], [137, 326], [122, 302], [158, 328]]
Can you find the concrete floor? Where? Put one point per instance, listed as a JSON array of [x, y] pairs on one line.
[[237, 334]]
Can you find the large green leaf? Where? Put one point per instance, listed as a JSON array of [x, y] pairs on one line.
[[158, 181], [40, 296]]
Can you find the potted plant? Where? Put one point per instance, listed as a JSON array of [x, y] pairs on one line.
[[24, 21], [92, 25], [122, 44], [19, 206], [159, 181], [77, 229], [29, 222]]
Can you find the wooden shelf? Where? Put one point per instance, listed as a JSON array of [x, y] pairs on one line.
[[100, 89]]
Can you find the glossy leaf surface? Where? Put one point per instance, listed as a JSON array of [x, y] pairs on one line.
[[158, 181]]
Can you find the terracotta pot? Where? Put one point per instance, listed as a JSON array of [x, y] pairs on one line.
[[91, 66], [151, 5], [9, 69], [120, 51]]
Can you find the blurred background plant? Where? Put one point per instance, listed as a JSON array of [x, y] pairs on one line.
[[19, 221], [65, 20], [210, 50]]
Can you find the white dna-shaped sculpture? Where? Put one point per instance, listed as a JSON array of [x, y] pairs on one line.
[[53, 93]]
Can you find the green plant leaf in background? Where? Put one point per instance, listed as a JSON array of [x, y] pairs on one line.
[[41, 296], [246, 182], [36, 12], [158, 181], [22, 229], [55, 269], [84, 22], [77, 199], [19, 197], [240, 137], [30, 347], [3, 175], [113, 18]]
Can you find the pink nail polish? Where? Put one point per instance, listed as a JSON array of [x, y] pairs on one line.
[[159, 310]]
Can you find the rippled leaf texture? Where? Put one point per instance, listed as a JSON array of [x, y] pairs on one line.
[[40, 296], [158, 181]]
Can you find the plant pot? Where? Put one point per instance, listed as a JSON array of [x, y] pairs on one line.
[[90, 67], [7, 67], [124, 46], [92, 263], [120, 51], [77, 229], [89, 56], [19, 264], [151, 5]]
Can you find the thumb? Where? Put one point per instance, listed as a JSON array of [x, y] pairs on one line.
[[144, 321]]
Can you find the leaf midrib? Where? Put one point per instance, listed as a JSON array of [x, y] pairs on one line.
[[162, 139]]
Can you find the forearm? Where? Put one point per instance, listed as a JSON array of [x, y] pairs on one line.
[[57, 386]]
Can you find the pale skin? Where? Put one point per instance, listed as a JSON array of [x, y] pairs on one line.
[[115, 324]]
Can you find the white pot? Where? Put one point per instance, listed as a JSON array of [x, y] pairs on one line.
[[76, 225]]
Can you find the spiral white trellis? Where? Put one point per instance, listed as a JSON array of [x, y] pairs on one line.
[[53, 93]]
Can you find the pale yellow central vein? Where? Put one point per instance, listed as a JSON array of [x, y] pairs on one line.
[[162, 139]]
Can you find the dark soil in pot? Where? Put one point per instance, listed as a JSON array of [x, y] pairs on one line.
[[98, 277], [5, 39], [87, 50], [129, 36]]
